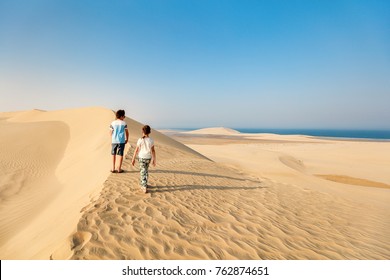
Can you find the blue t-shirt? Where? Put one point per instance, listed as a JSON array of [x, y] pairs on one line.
[[118, 128]]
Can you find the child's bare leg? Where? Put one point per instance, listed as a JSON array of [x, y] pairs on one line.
[[120, 158], [113, 162]]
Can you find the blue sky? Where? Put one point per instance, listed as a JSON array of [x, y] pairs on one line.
[[201, 63]]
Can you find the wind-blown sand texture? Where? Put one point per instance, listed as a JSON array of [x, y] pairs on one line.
[[51, 164], [222, 195]]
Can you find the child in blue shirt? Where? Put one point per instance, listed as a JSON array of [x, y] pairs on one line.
[[119, 137]]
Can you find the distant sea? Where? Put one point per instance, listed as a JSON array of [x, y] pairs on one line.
[[355, 134], [337, 133]]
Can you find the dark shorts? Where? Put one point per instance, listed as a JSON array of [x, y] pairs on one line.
[[117, 149]]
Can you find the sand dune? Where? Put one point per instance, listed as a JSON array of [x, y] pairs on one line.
[[222, 195], [250, 203], [345, 218], [214, 130], [52, 165], [52, 162]]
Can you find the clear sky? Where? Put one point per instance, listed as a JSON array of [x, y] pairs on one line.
[[201, 63]]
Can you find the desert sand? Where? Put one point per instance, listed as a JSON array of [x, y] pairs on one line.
[[215, 193]]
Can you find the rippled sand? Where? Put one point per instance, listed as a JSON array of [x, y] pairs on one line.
[[215, 194]]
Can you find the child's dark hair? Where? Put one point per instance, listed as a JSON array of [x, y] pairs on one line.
[[120, 113], [146, 129]]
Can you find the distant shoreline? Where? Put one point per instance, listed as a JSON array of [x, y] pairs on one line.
[[336, 134]]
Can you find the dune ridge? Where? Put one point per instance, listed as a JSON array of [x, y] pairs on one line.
[[53, 161], [212, 195], [227, 209]]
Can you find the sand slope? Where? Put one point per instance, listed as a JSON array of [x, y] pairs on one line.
[[339, 216], [199, 209], [235, 197], [51, 163]]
